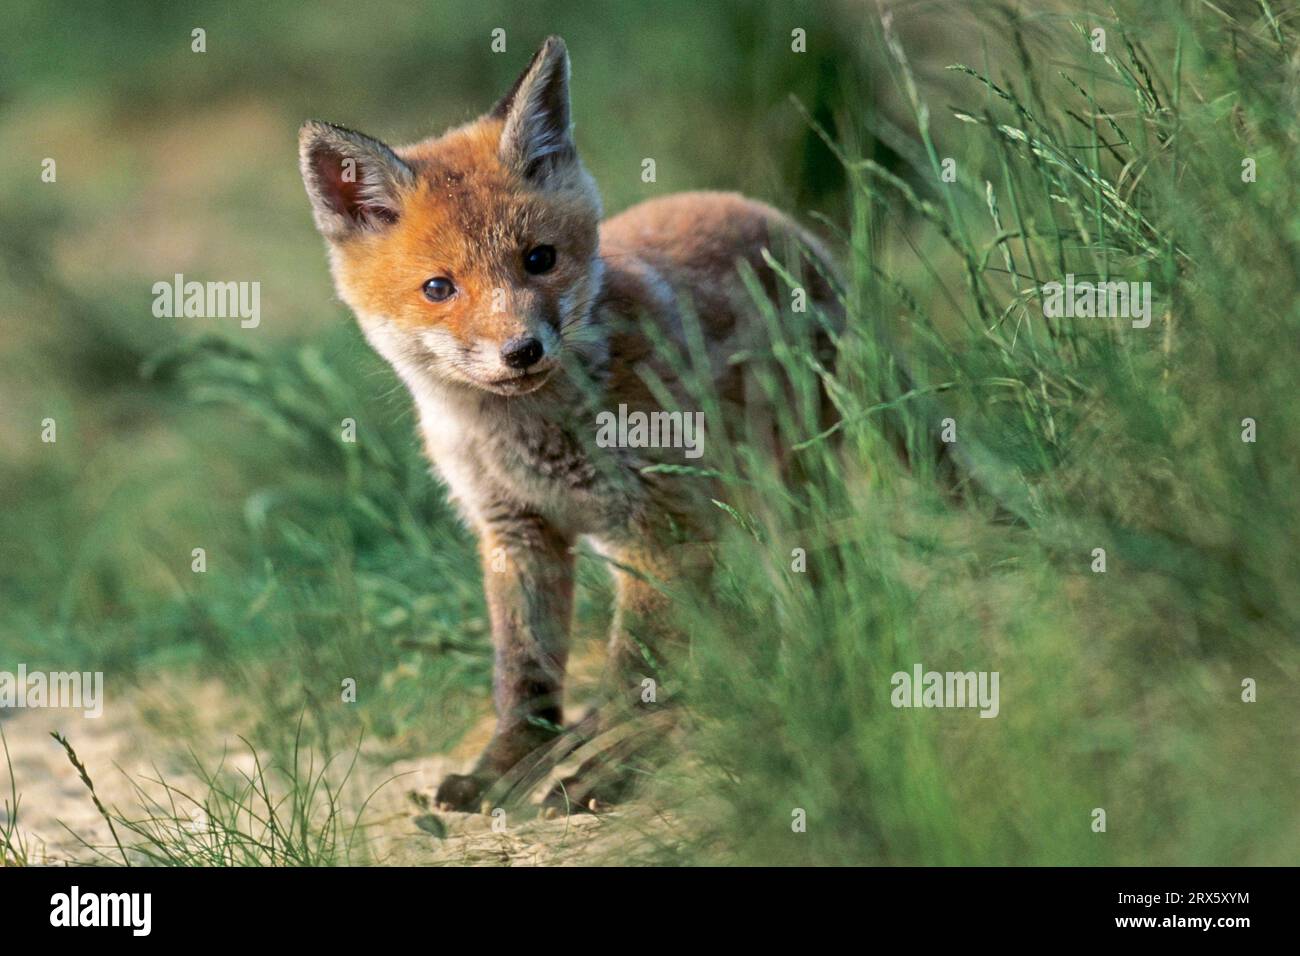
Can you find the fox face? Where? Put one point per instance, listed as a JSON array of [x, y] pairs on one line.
[[471, 259]]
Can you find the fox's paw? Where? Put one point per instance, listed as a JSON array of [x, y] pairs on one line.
[[575, 795], [598, 785], [463, 792], [616, 752]]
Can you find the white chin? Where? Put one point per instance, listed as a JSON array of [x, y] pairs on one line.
[[521, 385]]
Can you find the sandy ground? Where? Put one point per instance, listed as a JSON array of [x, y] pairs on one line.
[[129, 748]]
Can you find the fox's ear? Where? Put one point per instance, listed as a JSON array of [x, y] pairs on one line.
[[536, 138], [354, 182]]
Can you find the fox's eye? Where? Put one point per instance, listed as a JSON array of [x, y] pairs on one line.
[[439, 289], [539, 259]]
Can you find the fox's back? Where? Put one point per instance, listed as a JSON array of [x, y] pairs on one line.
[[694, 244], [682, 258]]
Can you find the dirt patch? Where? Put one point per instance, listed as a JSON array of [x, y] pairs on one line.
[[387, 805]]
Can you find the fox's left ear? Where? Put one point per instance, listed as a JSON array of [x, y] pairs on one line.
[[355, 183], [537, 138]]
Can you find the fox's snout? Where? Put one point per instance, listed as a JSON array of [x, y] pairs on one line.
[[515, 345], [522, 352]]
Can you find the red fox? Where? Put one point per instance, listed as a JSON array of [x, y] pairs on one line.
[[477, 264]]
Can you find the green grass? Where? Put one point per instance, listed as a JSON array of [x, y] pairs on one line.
[[13, 845], [282, 814], [330, 559], [1121, 690]]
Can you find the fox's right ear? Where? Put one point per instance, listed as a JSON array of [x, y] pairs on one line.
[[354, 182], [536, 136]]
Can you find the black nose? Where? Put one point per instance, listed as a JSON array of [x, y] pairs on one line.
[[521, 352]]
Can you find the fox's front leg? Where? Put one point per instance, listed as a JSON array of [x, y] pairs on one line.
[[644, 642], [528, 579], [642, 633]]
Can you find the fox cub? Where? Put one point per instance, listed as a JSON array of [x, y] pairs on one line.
[[477, 264]]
